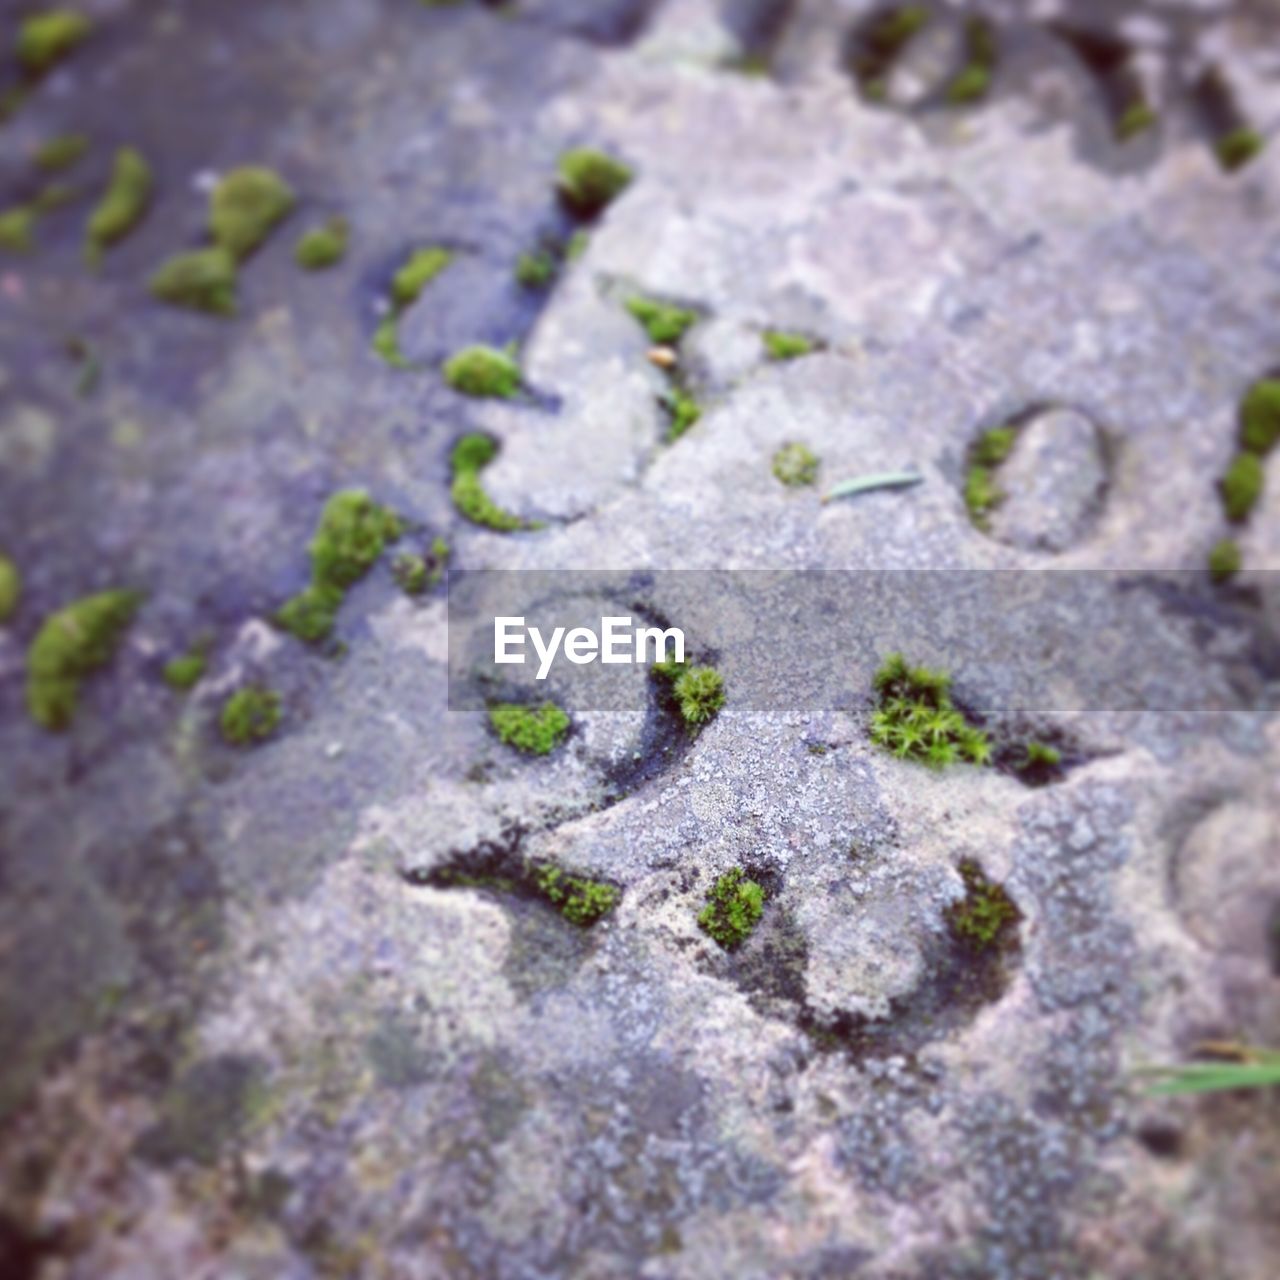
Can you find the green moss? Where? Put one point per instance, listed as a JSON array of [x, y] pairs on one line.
[[699, 692], [986, 916], [386, 340], [665, 324], [1241, 486], [580, 901], [1260, 416], [246, 206], [1040, 755], [1235, 149], [535, 270], [576, 245], [881, 43], [787, 346], [682, 411], [916, 719], [469, 457], [973, 82], [795, 465], [44, 39], [535, 731], [970, 85], [184, 672], [483, 372], [122, 207], [1224, 560], [419, 573], [202, 280], [10, 588], [323, 246], [1136, 118], [250, 715], [590, 180], [994, 446], [734, 907], [981, 494], [60, 152], [419, 270], [16, 228], [310, 614], [71, 645]]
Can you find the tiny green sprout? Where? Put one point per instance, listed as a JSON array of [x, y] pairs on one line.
[[1136, 118], [10, 588], [184, 672], [590, 180], [916, 720], [1224, 560], [122, 207], [781, 345], [16, 227], [535, 731], [535, 270], [795, 465], [323, 246], [1241, 486], [202, 280], [250, 715], [71, 645], [580, 901], [699, 692], [246, 206], [1260, 416], [483, 372], [733, 909], [1235, 149], [60, 152], [986, 916], [682, 410], [419, 270], [44, 39], [665, 324], [1234, 1067]]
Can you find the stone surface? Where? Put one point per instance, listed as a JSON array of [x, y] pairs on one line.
[[248, 1030]]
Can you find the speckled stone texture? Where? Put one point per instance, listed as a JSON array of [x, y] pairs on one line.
[[250, 1031]]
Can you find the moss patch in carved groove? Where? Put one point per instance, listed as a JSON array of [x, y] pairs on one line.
[[470, 456], [122, 207], [916, 720], [986, 917], [589, 180], [536, 731], [664, 322], [250, 715], [484, 373], [1241, 486], [698, 691], [733, 909]]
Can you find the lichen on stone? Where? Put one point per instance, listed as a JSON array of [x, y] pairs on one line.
[[71, 645], [915, 718], [45, 39], [250, 715], [483, 372], [200, 280], [795, 465], [733, 909], [590, 180], [533, 730], [246, 206], [322, 246], [122, 207]]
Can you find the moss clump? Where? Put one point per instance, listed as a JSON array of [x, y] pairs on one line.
[[1041, 755], [483, 372], [535, 270], [386, 341], [1136, 118], [580, 901], [184, 672], [420, 573], [16, 227], [1260, 416], [535, 731], [698, 691], [419, 270], [981, 493], [250, 715], [787, 346], [470, 456], [1224, 560], [795, 465], [322, 247], [1235, 149], [122, 207], [994, 446], [201, 280], [10, 588], [60, 152], [44, 39], [663, 323], [986, 916], [352, 533], [71, 645], [734, 907], [880, 44], [682, 412], [246, 206], [590, 180], [1241, 486], [973, 82], [916, 719]]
